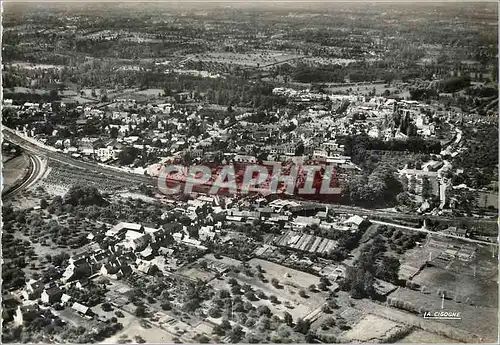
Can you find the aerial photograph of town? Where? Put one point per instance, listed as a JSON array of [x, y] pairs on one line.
[[249, 172]]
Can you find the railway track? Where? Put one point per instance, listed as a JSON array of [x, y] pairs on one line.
[[36, 150], [34, 173]]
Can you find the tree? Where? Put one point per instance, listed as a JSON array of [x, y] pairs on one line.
[[284, 331], [203, 339], [322, 286], [223, 294], [426, 187], [139, 339], [214, 312], [328, 322], [252, 338], [236, 290], [388, 269], [166, 306], [275, 282], [128, 155], [140, 311], [82, 195], [106, 306], [312, 288], [261, 294], [288, 318], [264, 323], [302, 293], [236, 333], [250, 296], [219, 330], [43, 203], [263, 310], [225, 324], [302, 326]]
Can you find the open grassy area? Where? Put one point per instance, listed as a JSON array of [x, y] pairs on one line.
[[364, 331], [132, 327], [14, 170], [253, 59], [287, 276], [287, 293], [481, 321], [461, 287], [420, 336]]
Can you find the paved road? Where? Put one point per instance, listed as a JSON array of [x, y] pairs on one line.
[[433, 232]]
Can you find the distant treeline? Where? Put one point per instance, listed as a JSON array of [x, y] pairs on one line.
[[21, 97]]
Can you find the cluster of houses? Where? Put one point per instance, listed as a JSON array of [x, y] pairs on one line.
[[131, 248], [183, 131]]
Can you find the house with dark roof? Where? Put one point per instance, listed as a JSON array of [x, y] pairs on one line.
[[115, 269], [51, 294], [76, 270]]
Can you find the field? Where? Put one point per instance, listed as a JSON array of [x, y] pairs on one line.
[[467, 258], [328, 61], [62, 177], [480, 321], [364, 331], [253, 59], [285, 275], [194, 272], [14, 170], [421, 337], [450, 329], [360, 88], [27, 65], [133, 327], [461, 287], [286, 293]]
